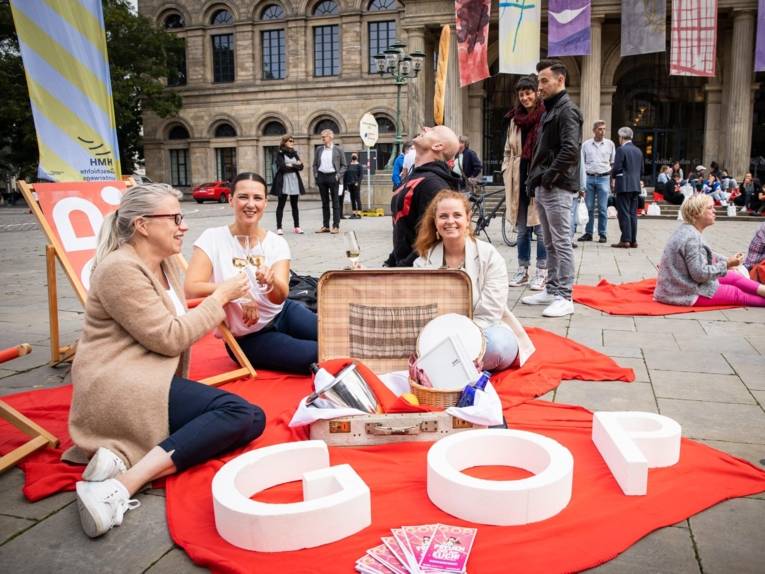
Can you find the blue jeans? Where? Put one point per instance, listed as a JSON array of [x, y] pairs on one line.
[[287, 344], [597, 186], [501, 347], [524, 236]]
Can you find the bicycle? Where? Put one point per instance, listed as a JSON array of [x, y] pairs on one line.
[[481, 219]]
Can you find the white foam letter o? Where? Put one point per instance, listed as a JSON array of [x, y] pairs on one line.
[[508, 502], [336, 501]]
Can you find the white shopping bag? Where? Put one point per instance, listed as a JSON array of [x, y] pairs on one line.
[[582, 216], [612, 213], [340, 190], [731, 210], [654, 209]]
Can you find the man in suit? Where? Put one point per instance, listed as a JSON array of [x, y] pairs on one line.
[[626, 173], [329, 167]]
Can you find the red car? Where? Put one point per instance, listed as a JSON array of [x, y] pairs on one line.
[[214, 191]]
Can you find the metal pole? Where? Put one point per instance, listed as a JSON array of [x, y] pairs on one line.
[[399, 83], [369, 178]]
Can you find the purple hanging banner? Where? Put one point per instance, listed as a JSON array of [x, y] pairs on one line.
[[759, 52], [568, 24]]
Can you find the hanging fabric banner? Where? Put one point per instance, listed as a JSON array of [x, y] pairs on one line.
[[759, 52], [519, 30], [568, 24], [644, 27], [63, 47], [472, 39], [693, 38]]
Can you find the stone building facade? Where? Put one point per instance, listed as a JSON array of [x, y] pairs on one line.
[[255, 69]]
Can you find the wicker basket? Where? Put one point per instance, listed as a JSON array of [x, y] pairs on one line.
[[439, 398]]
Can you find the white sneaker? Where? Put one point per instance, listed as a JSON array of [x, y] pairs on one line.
[[520, 278], [539, 280], [102, 505], [541, 298], [104, 465], [559, 308], [742, 210]]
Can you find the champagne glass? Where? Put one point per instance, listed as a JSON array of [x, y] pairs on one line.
[[257, 258], [240, 259], [352, 249]]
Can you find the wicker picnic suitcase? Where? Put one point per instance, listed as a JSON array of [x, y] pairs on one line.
[[375, 316]]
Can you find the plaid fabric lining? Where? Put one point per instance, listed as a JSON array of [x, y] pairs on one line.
[[694, 38], [386, 332]]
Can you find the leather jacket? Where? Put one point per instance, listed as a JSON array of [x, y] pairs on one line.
[[557, 155]]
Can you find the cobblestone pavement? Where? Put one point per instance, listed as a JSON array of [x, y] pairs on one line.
[[706, 370]]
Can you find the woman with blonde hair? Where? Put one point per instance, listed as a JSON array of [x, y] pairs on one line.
[[133, 413], [691, 274], [445, 240]]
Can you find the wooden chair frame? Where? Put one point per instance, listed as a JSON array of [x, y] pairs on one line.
[[40, 437], [54, 251]]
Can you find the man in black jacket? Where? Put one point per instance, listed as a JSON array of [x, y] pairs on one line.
[[554, 180], [435, 146]]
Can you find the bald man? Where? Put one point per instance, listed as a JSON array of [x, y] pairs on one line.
[[431, 173]]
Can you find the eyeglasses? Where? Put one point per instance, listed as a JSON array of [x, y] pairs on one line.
[[177, 217], [290, 141]]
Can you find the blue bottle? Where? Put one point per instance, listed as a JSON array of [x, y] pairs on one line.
[[467, 398]]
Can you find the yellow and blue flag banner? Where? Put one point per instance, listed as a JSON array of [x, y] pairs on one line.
[[63, 46]]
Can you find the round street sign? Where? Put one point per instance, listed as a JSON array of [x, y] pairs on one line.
[[368, 130]]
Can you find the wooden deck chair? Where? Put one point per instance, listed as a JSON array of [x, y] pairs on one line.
[[70, 215], [40, 437]]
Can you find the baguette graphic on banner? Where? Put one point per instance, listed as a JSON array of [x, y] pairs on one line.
[[519, 30], [63, 47]]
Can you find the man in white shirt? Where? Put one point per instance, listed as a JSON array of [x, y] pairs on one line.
[[598, 154], [409, 158], [329, 167]]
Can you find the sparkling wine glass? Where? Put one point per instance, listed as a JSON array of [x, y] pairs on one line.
[[257, 258], [240, 259], [352, 248]]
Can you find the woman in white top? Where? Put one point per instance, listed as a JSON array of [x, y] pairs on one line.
[[274, 332], [445, 240]]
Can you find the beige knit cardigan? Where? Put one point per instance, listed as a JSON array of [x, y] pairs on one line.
[[131, 345], [511, 175]]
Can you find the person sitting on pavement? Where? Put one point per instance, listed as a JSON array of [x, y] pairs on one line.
[[712, 188], [749, 188], [691, 274], [756, 252], [445, 240], [435, 147], [133, 412], [273, 331], [672, 190]]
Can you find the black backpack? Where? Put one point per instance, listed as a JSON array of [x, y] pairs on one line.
[[303, 289]]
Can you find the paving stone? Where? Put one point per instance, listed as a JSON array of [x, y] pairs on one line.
[[666, 550], [698, 316], [717, 421], [620, 351], [689, 361], [661, 341], [607, 395], [728, 329], [663, 325], [759, 397], [747, 315], [754, 453], [58, 543], [750, 367], [589, 337], [700, 387], [637, 365], [716, 343], [557, 326], [10, 526], [758, 342], [613, 322], [174, 562], [13, 503], [725, 536]]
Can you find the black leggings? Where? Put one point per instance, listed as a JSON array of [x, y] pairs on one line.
[[206, 422], [280, 209]]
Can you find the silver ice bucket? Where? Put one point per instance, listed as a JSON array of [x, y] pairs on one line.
[[347, 390]]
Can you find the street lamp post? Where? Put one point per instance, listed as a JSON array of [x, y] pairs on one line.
[[402, 67]]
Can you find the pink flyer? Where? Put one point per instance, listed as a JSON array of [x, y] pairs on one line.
[[450, 548], [419, 538], [368, 565], [386, 558]]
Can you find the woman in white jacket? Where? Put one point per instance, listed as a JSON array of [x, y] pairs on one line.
[[445, 240]]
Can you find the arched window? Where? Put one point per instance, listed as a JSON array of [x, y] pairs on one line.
[[225, 130], [222, 18], [385, 125], [326, 124], [174, 21], [326, 8], [274, 128], [272, 12], [383, 5], [178, 132]]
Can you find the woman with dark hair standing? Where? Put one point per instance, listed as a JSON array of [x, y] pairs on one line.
[[520, 210], [273, 331], [352, 185], [287, 182]]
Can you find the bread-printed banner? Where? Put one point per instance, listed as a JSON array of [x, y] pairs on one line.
[[472, 39], [519, 32], [439, 96]]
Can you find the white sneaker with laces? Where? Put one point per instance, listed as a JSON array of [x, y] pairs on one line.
[[559, 308], [539, 280], [102, 505], [541, 298], [520, 278], [105, 464]]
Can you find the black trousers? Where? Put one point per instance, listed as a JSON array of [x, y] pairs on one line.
[[626, 209], [206, 422], [280, 209], [328, 185], [355, 190]]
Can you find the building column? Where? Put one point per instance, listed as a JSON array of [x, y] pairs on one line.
[[453, 106], [590, 89], [199, 160], [415, 89], [196, 65], [351, 58], [474, 125], [712, 117], [742, 76], [607, 105], [299, 54], [245, 58]]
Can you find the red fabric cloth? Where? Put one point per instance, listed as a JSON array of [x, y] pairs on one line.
[[631, 299], [599, 522]]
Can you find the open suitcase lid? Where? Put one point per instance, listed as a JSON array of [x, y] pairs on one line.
[[375, 315]]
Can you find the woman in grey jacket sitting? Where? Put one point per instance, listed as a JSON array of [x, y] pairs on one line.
[[445, 240], [691, 274]]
